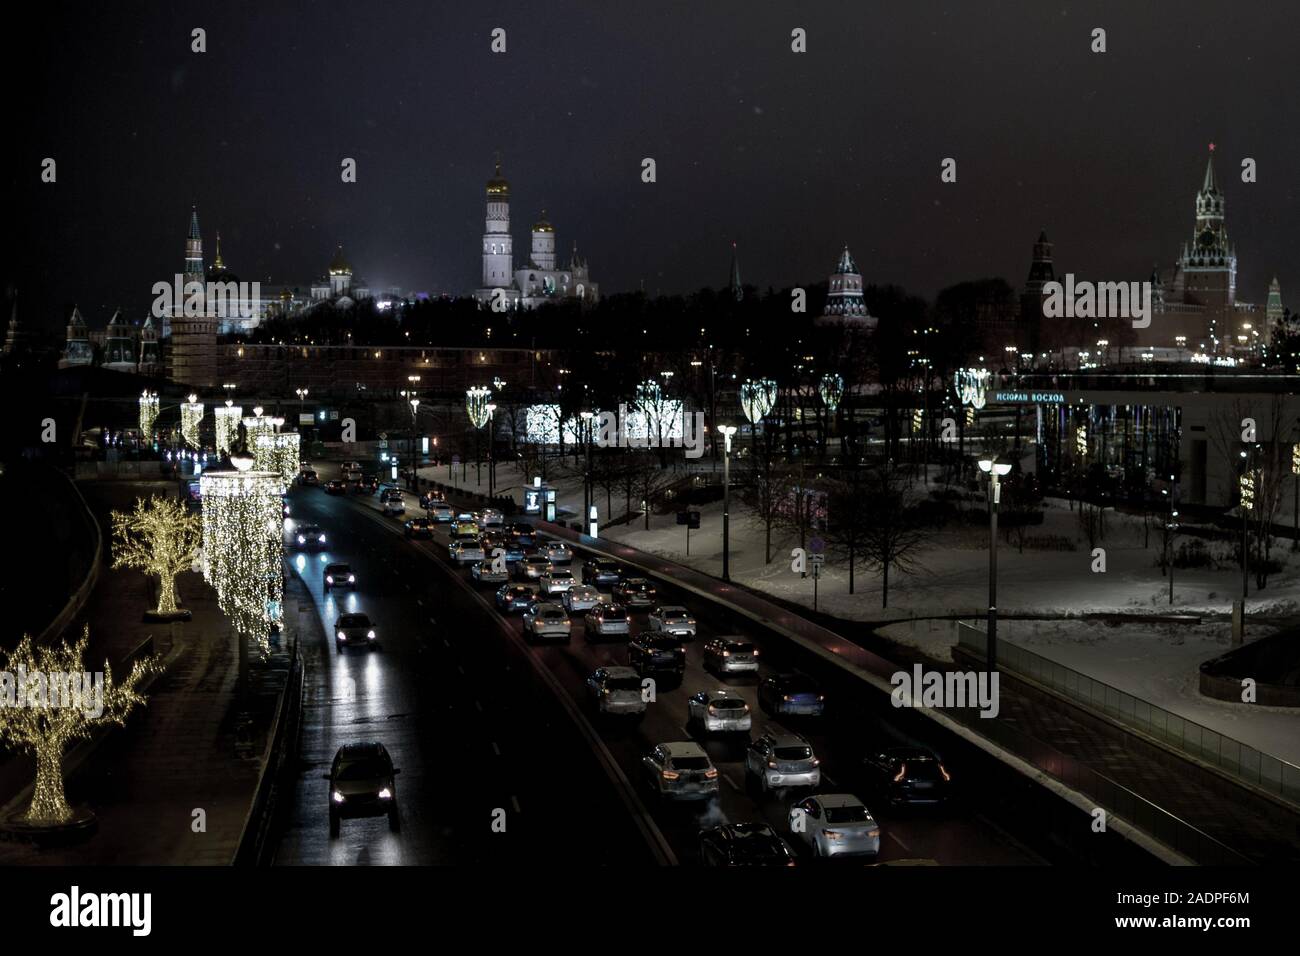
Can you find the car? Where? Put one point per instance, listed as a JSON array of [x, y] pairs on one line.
[[616, 690], [787, 694], [672, 619], [652, 653], [348, 467], [908, 775], [515, 552], [468, 528], [393, 503], [419, 528], [357, 487], [361, 785], [382, 488], [432, 497], [284, 504], [556, 581], [557, 552], [367, 484], [835, 824], [482, 572], [466, 550], [310, 537], [334, 487], [635, 592], [489, 518], [681, 770], [604, 620], [521, 529], [515, 597], [781, 759], [601, 572], [339, 576], [744, 844], [308, 476], [354, 629], [731, 655], [720, 711], [441, 513], [581, 597], [544, 620], [532, 567]]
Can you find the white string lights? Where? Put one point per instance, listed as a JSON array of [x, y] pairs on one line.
[[227, 425], [757, 398], [243, 545], [278, 453], [831, 389], [191, 415], [148, 414]]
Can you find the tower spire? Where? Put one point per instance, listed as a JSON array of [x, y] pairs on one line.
[[217, 263], [1210, 185], [737, 290]]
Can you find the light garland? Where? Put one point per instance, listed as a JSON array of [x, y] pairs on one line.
[[148, 415], [831, 389], [971, 385], [278, 453], [37, 720], [161, 538], [226, 418], [243, 546], [1081, 442], [476, 405], [757, 398], [1247, 485], [259, 425], [191, 415]]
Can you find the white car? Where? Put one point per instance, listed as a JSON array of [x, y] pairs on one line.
[[489, 518], [672, 619], [720, 711], [394, 503], [731, 655], [557, 552], [835, 824], [617, 690], [581, 597], [781, 759], [606, 619], [532, 567], [545, 619], [441, 513], [465, 550], [681, 770], [555, 581], [482, 573]]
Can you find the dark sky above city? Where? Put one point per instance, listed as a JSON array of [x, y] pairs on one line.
[[790, 155]]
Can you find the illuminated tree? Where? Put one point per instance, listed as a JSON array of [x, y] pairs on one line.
[[159, 537], [48, 701], [191, 416]]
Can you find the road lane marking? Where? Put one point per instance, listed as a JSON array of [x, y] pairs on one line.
[[893, 837], [495, 749], [514, 802]]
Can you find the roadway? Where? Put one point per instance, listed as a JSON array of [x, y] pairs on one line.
[[457, 687]]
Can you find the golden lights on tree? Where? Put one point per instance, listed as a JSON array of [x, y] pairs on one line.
[[226, 419], [160, 537], [148, 414], [243, 544], [278, 453], [48, 701], [191, 415]]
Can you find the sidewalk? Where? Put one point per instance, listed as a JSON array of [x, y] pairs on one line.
[[177, 754]]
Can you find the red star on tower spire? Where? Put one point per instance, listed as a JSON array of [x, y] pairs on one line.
[[1211, 147]]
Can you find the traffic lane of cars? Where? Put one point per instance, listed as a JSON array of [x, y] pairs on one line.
[[668, 720], [481, 691]]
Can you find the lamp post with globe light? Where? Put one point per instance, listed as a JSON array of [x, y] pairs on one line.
[[996, 469], [727, 431]]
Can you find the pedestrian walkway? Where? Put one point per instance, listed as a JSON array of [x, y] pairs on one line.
[[171, 787]]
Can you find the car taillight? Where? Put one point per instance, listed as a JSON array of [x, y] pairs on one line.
[[832, 834], [816, 761], [711, 773], [772, 764], [902, 772], [712, 709], [947, 779], [671, 774], [874, 833], [786, 698], [726, 653]]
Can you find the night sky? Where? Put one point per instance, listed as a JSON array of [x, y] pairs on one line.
[[790, 155]]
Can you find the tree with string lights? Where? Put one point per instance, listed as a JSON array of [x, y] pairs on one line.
[[160, 537], [48, 701]]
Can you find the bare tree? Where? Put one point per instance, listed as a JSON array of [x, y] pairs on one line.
[[767, 489], [649, 480]]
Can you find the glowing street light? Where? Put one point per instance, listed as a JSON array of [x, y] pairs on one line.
[[995, 469], [727, 431]]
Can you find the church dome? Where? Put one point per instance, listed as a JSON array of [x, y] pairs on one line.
[[338, 265], [497, 186], [542, 225]]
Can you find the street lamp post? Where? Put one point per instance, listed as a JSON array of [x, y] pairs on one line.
[[995, 470], [1170, 526], [492, 467], [586, 474], [727, 432]]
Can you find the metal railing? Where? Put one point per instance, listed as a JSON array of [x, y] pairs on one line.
[[1234, 758]]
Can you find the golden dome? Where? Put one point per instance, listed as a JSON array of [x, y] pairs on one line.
[[338, 265], [497, 185], [542, 225]]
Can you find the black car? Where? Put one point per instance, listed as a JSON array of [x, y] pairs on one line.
[[523, 534], [334, 487], [601, 572], [430, 498], [419, 528], [310, 537], [908, 775], [339, 576], [308, 476], [354, 629], [791, 694], [653, 653], [743, 844], [362, 785], [368, 484], [516, 598]]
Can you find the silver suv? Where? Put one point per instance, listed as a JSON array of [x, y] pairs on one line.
[[782, 759], [681, 771]]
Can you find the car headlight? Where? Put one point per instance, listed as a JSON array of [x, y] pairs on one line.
[[322, 539], [352, 578], [370, 634], [301, 539], [338, 796], [385, 794], [329, 579], [342, 635]]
